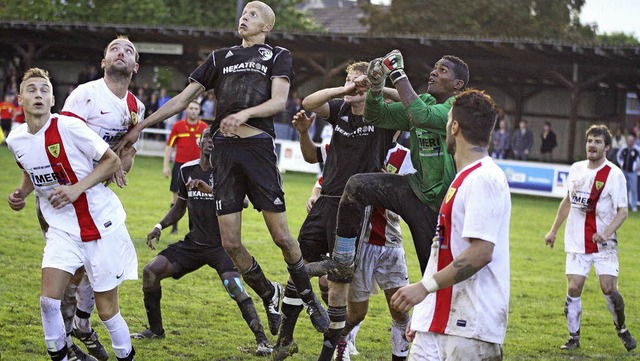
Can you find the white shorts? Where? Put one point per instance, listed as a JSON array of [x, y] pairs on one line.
[[386, 265], [108, 261], [605, 261], [429, 346]]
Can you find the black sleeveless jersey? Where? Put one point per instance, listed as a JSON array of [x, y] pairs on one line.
[[241, 79], [203, 223], [356, 147]]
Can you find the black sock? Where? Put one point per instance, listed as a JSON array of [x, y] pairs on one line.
[[338, 317], [58, 355], [300, 279], [291, 308], [129, 356], [250, 315], [152, 306], [255, 278]]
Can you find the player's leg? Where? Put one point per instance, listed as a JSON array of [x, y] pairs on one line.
[[81, 320], [573, 308], [235, 289], [338, 289], [109, 313], [54, 282], [279, 230], [356, 312], [399, 322], [173, 187], [606, 265], [155, 271]]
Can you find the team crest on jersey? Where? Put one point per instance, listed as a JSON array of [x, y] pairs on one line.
[[265, 53], [54, 150], [391, 168], [134, 118], [450, 194], [599, 185]]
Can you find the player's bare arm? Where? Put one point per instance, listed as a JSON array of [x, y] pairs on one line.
[[17, 197], [302, 123], [173, 106], [63, 195], [561, 216], [275, 105], [468, 263], [315, 194], [174, 215], [319, 101], [621, 215]]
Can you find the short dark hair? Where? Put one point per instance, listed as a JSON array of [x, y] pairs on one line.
[[598, 130], [475, 111], [461, 69]]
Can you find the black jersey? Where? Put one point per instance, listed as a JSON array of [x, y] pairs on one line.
[[356, 147], [241, 79], [203, 224]]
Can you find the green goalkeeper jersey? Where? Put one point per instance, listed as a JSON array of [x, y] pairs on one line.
[[435, 166]]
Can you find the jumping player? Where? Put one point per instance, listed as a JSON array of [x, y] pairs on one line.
[[251, 82], [86, 221], [201, 246], [595, 207]]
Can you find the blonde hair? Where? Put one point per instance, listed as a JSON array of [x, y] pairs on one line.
[[359, 66], [35, 73], [267, 12]]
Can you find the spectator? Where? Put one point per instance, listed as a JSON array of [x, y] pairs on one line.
[[209, 106], [628, 158], [89, 73], [618, 141], [7, 110], [522, 141], [548, 142], [501, 142]]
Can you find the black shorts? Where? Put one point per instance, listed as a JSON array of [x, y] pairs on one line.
[[318, 232], [246, 167], [190, 256], [175, 177], [6, 126]]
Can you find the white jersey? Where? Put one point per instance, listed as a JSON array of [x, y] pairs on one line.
[[477, 205], [595, 196], [62, 153], [106, 114]]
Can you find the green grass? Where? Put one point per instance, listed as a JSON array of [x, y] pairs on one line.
[[203, 323]]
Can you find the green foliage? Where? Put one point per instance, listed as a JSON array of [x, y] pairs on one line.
[[203, 323], [535, 19], [618, 38], [220, 14]]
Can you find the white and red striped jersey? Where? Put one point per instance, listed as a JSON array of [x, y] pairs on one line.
[[595, 196], [384, 226], [106, 114], [62, 153], [477, 205]]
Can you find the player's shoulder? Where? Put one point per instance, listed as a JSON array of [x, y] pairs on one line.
[[187, 168]]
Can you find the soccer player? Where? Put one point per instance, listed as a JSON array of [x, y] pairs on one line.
[[201, 246], [86, 221], [109, 109], [595, 207], [184, 138], [414, 197], [463, 298], [251, 82], [356, 147]]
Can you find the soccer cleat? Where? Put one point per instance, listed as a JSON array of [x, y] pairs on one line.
[[627, 339], [571, 344], [342, 354], [90, 340], [74, 353], [320, 268], [281, 352], [264, 348], [273, 309], [147, 335], [319, 316], [351, 347]]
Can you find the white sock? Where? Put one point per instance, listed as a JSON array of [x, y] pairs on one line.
[[399, 345], [119, 332], [573, 310], [86, 303], [52, 324]]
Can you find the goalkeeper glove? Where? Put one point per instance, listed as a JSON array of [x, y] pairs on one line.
[[376, 75], [393, 65]]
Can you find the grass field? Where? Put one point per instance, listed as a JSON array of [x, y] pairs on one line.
[[203, 323]]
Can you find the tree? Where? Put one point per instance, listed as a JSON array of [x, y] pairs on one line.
[[219, 14], [535, 19]]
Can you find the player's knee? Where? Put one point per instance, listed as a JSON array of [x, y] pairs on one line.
[[354, 185], [150, 276], [234, 288], [609, 290], [231, 245]]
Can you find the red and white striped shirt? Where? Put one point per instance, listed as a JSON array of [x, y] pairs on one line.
[[62, 153]]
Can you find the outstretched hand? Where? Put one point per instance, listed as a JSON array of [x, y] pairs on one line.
[[154, 234], [302, 122]]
